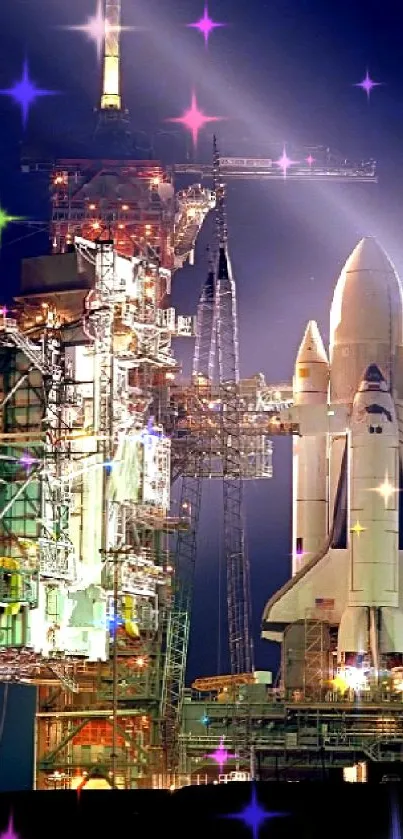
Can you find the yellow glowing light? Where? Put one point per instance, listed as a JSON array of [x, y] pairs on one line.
[[386, 490], [125, 207], [97, 783], [156, 181], [92, 206], [96, 225], [140, 661], [358, 528], [121, 226]]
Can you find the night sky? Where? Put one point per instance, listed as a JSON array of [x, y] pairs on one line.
[[279, 72]]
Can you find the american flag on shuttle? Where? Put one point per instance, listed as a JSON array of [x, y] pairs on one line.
[[324, 603]]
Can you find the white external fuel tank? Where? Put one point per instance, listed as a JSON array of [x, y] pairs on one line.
[[365, 320], [373, 516], [310, 387]]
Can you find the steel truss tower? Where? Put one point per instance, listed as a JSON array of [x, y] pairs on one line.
[[236, 558], [217, 436], [186, 545]]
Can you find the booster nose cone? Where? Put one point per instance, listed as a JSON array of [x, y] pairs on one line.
[[366, 319], [311, 347], [311, 376]]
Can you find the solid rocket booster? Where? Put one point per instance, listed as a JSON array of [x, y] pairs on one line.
[[310, 387], [374, 516]]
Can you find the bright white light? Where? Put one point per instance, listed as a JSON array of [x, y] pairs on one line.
[[386, 490], [354, 677], [97, 27]]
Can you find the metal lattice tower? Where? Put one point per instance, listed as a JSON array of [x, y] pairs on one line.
[[186, 545], [237, 565], [216, 329]]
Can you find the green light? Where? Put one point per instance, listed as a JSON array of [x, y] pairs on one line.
[[5, 220]]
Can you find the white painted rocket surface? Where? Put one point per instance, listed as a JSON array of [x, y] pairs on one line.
[[347, 467]]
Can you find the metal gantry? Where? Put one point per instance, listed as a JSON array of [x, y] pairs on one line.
[[236, 559], [186, 544]]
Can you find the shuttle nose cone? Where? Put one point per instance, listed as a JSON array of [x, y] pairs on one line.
[[366, 319]]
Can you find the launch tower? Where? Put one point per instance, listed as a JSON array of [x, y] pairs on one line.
[[86, 365]]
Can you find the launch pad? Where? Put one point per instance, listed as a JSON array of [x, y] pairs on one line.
[[96, 425]]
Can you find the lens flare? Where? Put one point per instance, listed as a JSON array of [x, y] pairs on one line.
[[25, 93], [194, 120], [368, 85], [206, 25]]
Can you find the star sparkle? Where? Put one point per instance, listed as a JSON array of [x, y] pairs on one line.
[[97, 27], [194, 120], [206, 25], [5, 220], [386, 490], [284, 162], [368, 84], [254, 816], [221, 756], [28, 461], [309, 160], [25, 93], [358, 528]]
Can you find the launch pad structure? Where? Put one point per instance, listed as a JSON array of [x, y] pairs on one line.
[[94, 598]]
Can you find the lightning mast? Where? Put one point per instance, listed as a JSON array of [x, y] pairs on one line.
[[111, 97], [113, 128]]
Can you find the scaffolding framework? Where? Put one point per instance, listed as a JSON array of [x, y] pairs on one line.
[[85, 578]]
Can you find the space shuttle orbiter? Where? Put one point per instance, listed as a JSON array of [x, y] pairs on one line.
[[347, 468]]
